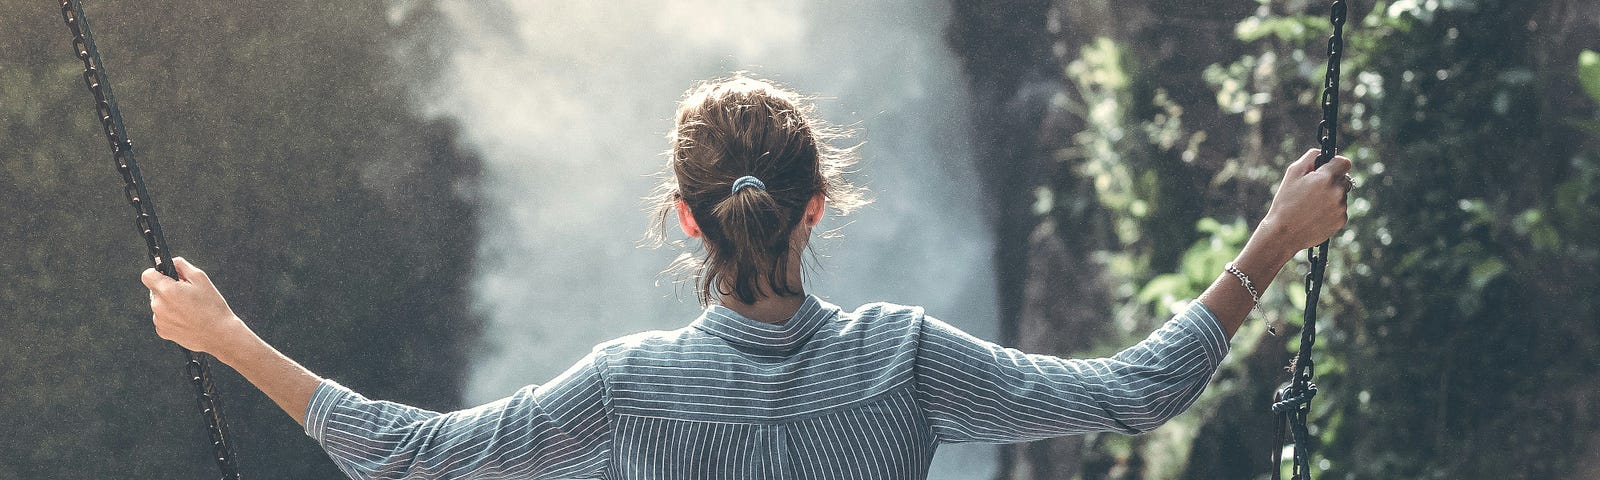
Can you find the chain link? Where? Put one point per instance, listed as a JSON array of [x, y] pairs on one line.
[[196, 368], [1292, 403]]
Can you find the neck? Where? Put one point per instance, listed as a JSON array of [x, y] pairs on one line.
[[769, 309]]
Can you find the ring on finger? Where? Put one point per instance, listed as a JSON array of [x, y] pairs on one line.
[[1349, 183]]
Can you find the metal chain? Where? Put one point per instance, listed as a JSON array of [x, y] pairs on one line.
[[1292, 403], [197, 367]]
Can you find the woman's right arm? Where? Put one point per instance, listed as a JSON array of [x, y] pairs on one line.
[[191, 312], [558, 430]]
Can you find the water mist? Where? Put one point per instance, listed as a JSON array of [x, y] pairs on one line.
[[568, 104]]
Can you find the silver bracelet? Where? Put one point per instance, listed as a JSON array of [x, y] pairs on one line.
[[1245, 281], [1255, 296]]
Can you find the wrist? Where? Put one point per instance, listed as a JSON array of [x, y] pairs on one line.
[[235, 341], [1263, 258], [1269, 243]]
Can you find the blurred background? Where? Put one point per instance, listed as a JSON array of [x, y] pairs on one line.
[[438, 201]]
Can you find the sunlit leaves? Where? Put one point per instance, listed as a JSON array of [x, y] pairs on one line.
[[1589, 73], [1200, 265], [1291, 28]]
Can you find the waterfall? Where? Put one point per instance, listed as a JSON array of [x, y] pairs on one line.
[[568, 104]]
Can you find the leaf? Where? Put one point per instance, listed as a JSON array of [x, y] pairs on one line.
[[1164, 286], [1589, 73], [1486, 271]]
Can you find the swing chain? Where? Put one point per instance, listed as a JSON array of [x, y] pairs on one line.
[[1328, 127], [196, 369], [1292, 403]]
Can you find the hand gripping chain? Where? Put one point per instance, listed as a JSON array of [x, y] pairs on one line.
[[133, 188]]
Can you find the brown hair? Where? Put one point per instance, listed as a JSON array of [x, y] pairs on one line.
[[733, 127]]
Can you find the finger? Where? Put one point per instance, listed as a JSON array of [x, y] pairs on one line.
[[161, 330], [188, 271], [1337, 167], [1304, 165], [153, 280], [156, 306]]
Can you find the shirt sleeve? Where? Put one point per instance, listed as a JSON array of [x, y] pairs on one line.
[[557, 430], [975, 391]]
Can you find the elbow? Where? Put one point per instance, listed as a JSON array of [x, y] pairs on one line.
[[374, 468], [1141, 426], [1167, 392], [372, 458], [1152, 411]]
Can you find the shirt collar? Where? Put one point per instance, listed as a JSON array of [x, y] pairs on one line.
[[728, 325]]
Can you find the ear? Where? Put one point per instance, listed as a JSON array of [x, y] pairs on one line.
[[686, 220], [815, 208]]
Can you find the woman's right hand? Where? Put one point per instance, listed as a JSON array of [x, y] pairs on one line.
[[1310, 204], [191, 312]]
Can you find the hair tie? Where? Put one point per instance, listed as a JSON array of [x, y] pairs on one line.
[[747, 181]]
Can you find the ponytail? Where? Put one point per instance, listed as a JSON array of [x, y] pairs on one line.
[[756, 230]]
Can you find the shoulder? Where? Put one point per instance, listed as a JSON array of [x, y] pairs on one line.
[[875, 323], [654, 341], [883, 314]]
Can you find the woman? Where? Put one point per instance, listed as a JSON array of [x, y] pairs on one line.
[[768, 381]]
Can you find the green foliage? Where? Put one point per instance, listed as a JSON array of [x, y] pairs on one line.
[[1102, 149], [286, 162], [1132, 129], [1462, 284], [1143, 164], [1589, 73], [1287, 28], [1589, 77], [1199, 265], [1440, 253]]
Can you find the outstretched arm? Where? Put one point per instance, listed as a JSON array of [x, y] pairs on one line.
[[976, 391], [973, 390], [191, 312], [557, 430], [1308, 208]]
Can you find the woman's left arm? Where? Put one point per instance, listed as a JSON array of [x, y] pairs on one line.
[[976, 391], [973, 390]]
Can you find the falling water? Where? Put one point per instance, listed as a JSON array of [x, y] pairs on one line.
[[568, 104]]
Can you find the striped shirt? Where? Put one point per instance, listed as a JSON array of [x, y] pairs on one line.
[[868, 394]]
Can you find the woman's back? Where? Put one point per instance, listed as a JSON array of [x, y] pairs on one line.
[[823, 395]]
